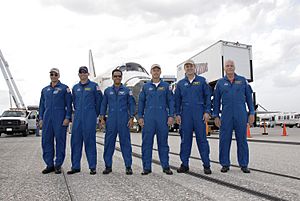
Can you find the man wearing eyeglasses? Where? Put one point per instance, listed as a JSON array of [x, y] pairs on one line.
[[87, 98], [119, 102], [55, 112], [155, 113]]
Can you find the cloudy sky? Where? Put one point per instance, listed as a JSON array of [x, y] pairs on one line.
[[37, 35]]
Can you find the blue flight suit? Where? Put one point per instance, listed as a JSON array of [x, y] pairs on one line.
[[234, 116], [55, 106], [121, 107], [192, 100], [156, 104], [87, 101]]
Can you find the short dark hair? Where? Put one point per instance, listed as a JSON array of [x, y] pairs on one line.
[[116, 70]]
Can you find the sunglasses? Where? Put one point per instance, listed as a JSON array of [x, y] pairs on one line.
[[82, 72], [118, 76], [53, 74]]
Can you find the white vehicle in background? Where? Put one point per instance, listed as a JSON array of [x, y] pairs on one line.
[[267, 121], [290, 119], [210, 62], [31, 119], [14, 121]]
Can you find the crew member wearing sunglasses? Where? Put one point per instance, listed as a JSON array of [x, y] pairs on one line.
[[87, 98], [119, 102], [55, 112]]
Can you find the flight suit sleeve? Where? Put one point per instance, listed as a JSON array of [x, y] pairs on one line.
[[42, 106], [98, 99], [207, 97], [103, 107], [132, 104], [68, 101], [178, 100], [141, 104], [217, 101], [170, 101], [249, 99]]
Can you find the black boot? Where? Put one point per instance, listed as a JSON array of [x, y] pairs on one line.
[[57, 170], [207, 170], [93, 171], [73, 171], [48, 170], [145, 172], [129, 171], [168, 171], [245, 169], [183, 169], [224, 169], [107, 170]]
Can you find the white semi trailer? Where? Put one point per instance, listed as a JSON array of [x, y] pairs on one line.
[[210, 61]]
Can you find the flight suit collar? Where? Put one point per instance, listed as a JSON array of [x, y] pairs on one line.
[[152, 83], [120, 87], [57, 85], [187, 79], [88, 81]]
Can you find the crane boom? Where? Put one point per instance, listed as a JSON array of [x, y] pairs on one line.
[[13, 89]]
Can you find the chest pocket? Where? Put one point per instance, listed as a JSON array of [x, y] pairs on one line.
[[122, 96]]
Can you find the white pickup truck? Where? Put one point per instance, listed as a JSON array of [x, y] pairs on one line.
[[17, 121]]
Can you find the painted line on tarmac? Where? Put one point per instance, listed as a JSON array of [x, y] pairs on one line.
[[214, 180], [252, 140], [68, 186], [233, 165]]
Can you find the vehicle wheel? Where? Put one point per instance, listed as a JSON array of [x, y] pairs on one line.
[[298, 125], [25, 133], [0, 134]]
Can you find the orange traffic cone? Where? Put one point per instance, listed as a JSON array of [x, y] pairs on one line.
[[284, 133], [248, 131]]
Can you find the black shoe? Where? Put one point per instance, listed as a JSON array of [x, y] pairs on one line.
[[107, 170], [224, 169], [145, 172], [73, 171], [183, 169], [129, 171], [245, 170], [93, 171], [48, 170], [207, 170], [168, 171], [57, 170]]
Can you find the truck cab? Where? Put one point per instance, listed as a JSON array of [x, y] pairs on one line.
[[14, 121]]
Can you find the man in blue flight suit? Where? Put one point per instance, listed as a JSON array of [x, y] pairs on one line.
[[55, 112], [233, 91], [155, 113], [87, 98], [121, 108], [193, 107]]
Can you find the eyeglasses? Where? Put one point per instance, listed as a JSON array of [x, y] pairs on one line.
[[117, 76], [53, 74]]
